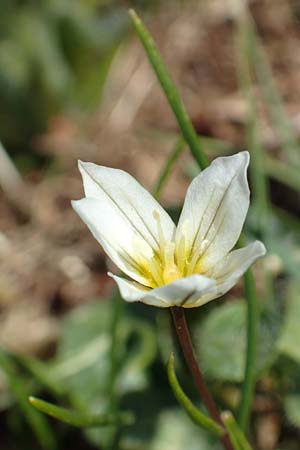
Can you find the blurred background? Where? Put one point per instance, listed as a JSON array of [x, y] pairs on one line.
[[75, 83]]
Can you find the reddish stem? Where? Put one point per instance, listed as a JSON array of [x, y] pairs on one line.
[[191, 361]]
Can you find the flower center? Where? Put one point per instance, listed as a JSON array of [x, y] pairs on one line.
[[173, 260]]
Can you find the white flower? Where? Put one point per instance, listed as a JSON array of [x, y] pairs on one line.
[[187, 265]]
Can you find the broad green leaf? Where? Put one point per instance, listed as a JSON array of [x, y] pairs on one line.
[[288, 343], [292, 408], [84, 359], [221, 340], [174, 431]]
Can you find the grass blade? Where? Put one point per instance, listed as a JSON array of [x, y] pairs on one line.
[[237, 436], [197, 416], [272, 97], [78, 419], [170, 90], [259, 183], [19, 389], [162, 179]]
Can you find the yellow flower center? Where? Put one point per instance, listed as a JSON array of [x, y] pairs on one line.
[[172, 261]]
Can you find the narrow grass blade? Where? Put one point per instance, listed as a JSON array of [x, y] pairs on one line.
[[259, 183], [195, 414], [251, 352], [272, 97], [162, 179], [78, 419], [237, 437], [114, 405], [42, 373], [283, 172], [19, 389], [170, 90], [261, 197]]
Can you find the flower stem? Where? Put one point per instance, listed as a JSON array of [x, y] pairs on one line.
[[114, 367], [186, 345]]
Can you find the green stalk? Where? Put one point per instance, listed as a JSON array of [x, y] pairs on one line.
[[283, 172], [19, 388], [273, 99], [170, 89], [78, 419], [162, 179], [197, 416], [245, 56], [257, 167], [251, 352], [114, 354], [237, 436], [260, 196]]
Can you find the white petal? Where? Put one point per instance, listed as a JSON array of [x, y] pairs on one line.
[[119, 213], [115, 236], [215, 208], [228, 271], [182, 292], [130, 200]]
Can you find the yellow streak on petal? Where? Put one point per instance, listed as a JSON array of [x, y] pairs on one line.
[[171, 261]]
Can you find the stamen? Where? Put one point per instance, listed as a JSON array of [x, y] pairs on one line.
[[143, 253], [194, 265], [181, 248], [169, 257], [155, 270], [171, 271]]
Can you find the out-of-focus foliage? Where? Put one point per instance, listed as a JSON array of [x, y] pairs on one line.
[[54, 55], [224, 359]]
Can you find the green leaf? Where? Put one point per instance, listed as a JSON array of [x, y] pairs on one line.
[[174, 431], [221, 340], [288, 342], [84, 351], [282, 239], [42, 373], [292, 409], [20, 391], [197, 416], [85, 359], [78, 419], [42, 45]]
